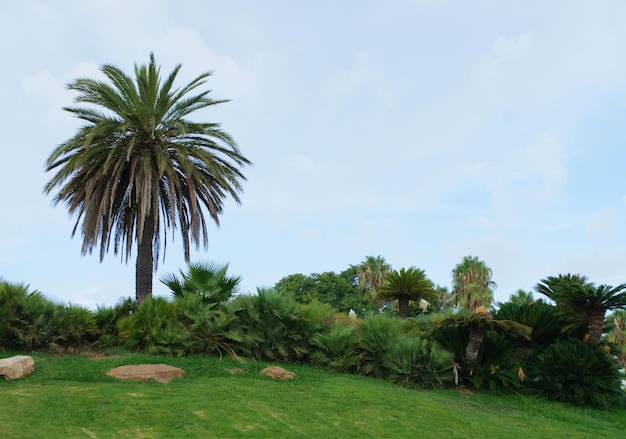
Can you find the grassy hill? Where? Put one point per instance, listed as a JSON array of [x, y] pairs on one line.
[[71, 397]]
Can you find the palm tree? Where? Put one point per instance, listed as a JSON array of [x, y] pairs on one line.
[[404, 286], [139, 166], [472, 284], [205, 279], [480, 321], [370, 274], [584, 302]]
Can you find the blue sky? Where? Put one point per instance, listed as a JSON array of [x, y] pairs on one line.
[[422, 131]]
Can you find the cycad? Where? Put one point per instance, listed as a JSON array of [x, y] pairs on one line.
[[406, 285], [583, 302]]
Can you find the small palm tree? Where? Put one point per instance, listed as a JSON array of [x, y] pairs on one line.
[[584, 302], [205, 279], [404, 286], [139, 166]]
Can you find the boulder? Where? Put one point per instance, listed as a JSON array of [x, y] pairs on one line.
[[16, 367], [158, 372], [278, 373]]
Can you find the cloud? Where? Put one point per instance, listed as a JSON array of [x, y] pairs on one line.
[[529, 176], [602, 225]]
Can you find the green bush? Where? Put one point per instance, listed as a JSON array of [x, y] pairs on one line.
[[27, 319], [107, 318], [576, 372], [496, 367], [75, 327], [211, 328], [417, 361], [337, 348], [155, 328], [376, 334], [272, 326]]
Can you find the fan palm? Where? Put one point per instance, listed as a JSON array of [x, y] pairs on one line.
[[584, 302], [205, 279], [471, 284], [404, 286], [370, 274], [139, 166]]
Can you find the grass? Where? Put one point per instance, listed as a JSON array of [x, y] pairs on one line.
[[71, 397]]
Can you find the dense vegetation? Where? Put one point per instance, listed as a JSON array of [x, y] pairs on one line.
[[523, 346]]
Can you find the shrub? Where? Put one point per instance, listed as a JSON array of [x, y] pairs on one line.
[[155, 328], [211, 328], [376, 334], [107, 318], [337, 348], [27, 319], [416, 361], [496, 367], [76, 326], [576, 372], [272, 326]]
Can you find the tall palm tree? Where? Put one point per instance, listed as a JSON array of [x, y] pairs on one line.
[[584, 302], [139, 166], [370, 274], [404, 286], [472, 285]]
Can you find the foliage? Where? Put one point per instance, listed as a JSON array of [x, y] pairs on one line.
[[27, 319], [211, 329], [107, 318], [496, 367], [272, 324], [155, 328], [616, 325], [76, 326], [576, 372], [139, 166], [472, 285], [406, 285], [479, 322], [542, 317], [334, 289], [584, 303], [417, 361], [208, 280], [337, 348], [522, 297], [376, 333], [370, 274]]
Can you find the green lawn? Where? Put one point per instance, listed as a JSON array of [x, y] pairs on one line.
[[71, 397]]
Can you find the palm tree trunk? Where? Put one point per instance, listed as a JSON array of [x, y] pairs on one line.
[[476, 338], [596, 325], [403, 307], [145, 263]]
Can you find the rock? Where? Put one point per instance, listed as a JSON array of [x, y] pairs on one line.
[[278, 373], [158, 372], [16, 367]]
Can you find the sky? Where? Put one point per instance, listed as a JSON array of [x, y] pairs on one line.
[[419, 130]]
